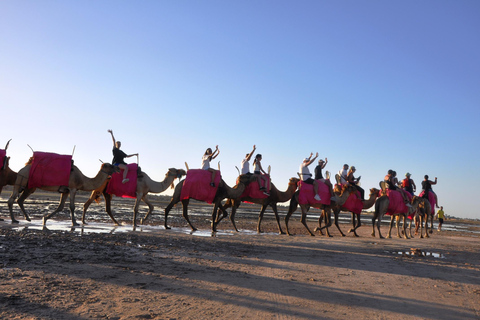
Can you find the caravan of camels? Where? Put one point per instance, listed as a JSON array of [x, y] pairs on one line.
[[57, 173]]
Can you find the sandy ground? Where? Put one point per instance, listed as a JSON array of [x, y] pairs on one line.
[[102, 272]]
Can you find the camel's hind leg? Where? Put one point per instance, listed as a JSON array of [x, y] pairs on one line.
[[389, 234], [60, 207], [304, 220], [150, 207], [336, 215], [25, 194]]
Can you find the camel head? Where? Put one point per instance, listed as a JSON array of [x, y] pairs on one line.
[[176, 173], [293, 182], [109, 169], [246, 178], [374, 192]]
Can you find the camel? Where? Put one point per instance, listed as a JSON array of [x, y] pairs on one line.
[[272, 200], [381, 207], [223, 191], [144, 185], [346, 190], [367, 204], [77, 181], [7, 175], [423, 212]]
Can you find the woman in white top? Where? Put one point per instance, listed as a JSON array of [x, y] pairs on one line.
[[306, 176], [257, 171], [245, 163], [207, 157]]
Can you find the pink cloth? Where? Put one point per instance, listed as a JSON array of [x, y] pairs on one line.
[[252, 190], [431, 199], [354, 203], [396, 204], [124, 190], [49, 169], [306, 194], [197, 185], [3, 153]]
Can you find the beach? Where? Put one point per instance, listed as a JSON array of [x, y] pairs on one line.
[[99, 271]]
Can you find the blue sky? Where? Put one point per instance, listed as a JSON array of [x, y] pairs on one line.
[[376, 84]]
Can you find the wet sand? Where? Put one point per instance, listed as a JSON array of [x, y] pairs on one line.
[[99, 271]]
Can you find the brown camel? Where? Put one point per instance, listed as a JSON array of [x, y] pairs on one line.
[[223, 191], [272, 200], [367, 204], [381, 207], [346, 190], [77, 181], [423, 213], [145, 185], [7, 175]]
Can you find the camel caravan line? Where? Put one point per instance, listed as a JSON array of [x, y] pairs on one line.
[[57, 173]]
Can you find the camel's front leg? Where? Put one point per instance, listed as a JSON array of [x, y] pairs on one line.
[[73, 192], [405, 226], [291, 209], [87, 204], [235, 206], [379, 221], [229, 203], [335, 216], [60, 207], [218, 206], [135, 209], [275, 211]]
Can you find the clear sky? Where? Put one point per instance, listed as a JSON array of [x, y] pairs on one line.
[[375, 84]]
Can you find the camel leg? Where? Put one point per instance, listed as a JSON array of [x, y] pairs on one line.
[[185, 214], [431, 223], [108, 207], [291, 209], [150, 207], [87, 204], [72, 207], [135, 208], [260, 218], [320, 228], [25, 194], [232, 214], [304, 220], [355, 225], [60, 207], [275, 211], [379, 221], [216, 208], [389, 234], [167, 211], [336, 214], [405, 226], [229, 203], [328, 221]]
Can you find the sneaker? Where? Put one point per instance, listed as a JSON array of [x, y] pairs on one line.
[[317, 197], [212, 184], [408, 205], [266, 193], [125, 180]]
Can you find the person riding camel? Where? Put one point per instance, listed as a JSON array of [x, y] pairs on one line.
[[427, 186], [119, 156], [260, 174], [391, 183], [343, 173], [354, 182], [319, 176], [408, 184], [306, 176], [246, 163], [207, 157]]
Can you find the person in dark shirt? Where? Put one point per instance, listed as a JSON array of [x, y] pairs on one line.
[[119, 157], [427, 187], [319, 176]]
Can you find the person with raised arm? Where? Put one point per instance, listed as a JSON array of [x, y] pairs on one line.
[[246, 163], [306, 176], [207, 157], [119, 157]]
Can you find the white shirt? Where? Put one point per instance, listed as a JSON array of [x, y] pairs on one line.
[[304, 171], [245, 166], [206, 162], [343, 175]]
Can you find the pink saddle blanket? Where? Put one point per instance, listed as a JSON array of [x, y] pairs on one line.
[[49, 169], [3, 153], [252, 190], [354, 203], [124, 190], [197, 185], [306, 194], [431, 198], [396, 203]]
